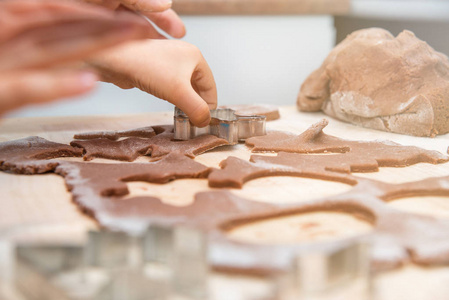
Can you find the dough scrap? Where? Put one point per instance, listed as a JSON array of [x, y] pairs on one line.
[[33, 155], [375, 80], [271, 112], [157, 146], [208, 211], [416, 238], [100, 190], [235, 171]]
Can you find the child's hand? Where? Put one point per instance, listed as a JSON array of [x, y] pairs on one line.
[[169, 69]]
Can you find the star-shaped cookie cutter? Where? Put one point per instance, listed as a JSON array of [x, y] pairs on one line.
[[224, 124]]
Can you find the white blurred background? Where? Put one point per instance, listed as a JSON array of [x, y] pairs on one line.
[[264, 59]]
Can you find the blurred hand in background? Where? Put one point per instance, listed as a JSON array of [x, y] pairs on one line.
[[39, 38], [158, 11]]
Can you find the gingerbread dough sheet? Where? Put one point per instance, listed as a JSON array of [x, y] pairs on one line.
[[291, 121]]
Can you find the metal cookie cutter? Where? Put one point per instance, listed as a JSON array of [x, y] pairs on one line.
[[160, 263], [224, 124], [329, 271]]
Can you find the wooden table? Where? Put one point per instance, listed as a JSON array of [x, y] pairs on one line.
[[38, 208]]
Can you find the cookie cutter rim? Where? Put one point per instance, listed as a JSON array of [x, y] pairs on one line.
[[225, 124]]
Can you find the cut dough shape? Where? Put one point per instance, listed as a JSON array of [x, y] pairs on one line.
[[159, 145], [271, 112], [163, 143], [33, 155], [375, 80], [109, 179], [143, 132], [128, 149]]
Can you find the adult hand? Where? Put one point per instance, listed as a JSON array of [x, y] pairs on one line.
[[158, 11], [43, 33], [169, 69], [37, 86], [36, 36]]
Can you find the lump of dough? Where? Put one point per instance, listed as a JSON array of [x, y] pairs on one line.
[[378, 81]]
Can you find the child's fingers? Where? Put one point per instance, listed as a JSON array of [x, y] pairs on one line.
[[169, 22], [195, 92], [21, 88], [187, 99], [203, 83]]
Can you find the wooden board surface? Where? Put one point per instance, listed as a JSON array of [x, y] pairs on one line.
[[261, 7], [38, 208]]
